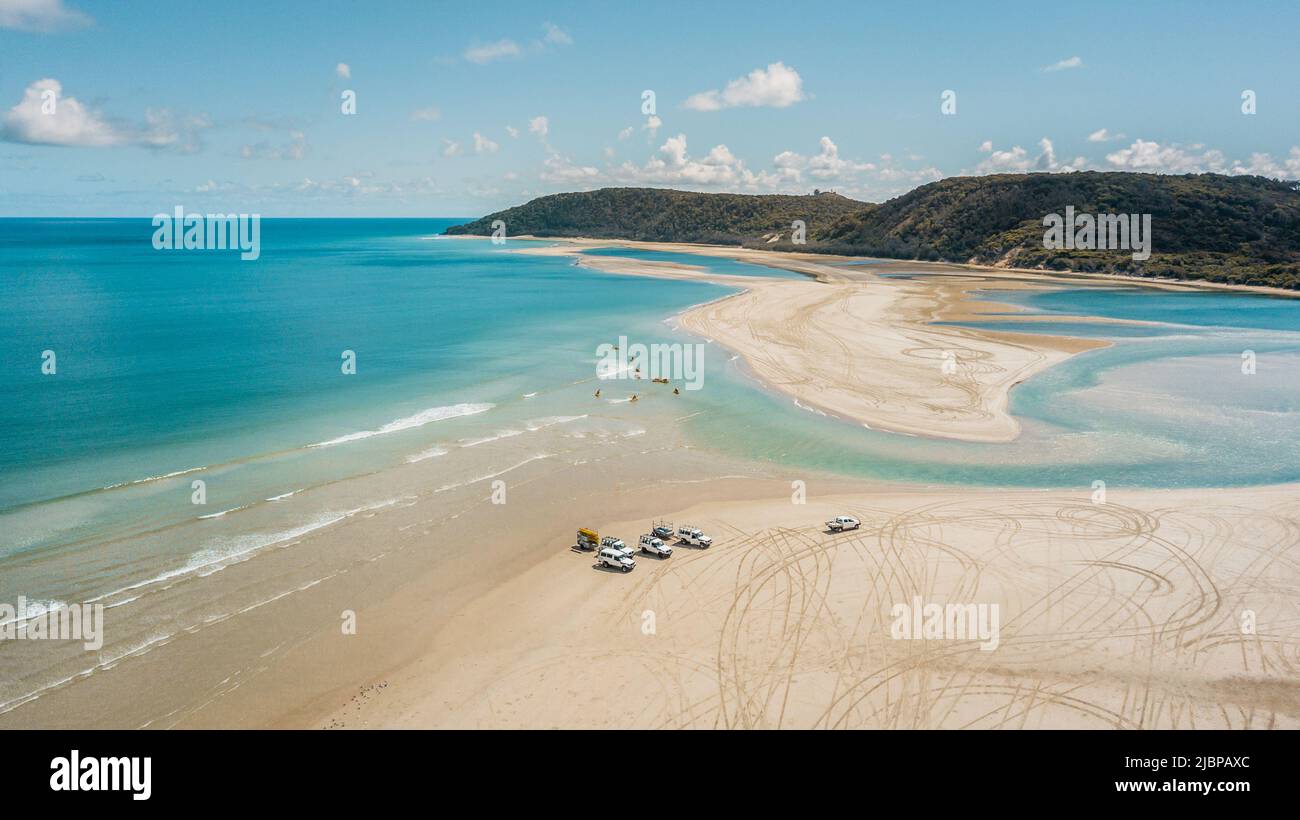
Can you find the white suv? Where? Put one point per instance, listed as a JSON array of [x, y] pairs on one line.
[[610, 557], [694, 537], [840, 523], [617, 544], [655, 546]]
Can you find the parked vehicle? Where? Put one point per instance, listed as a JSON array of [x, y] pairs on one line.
[[655, 546], [617, 544], [693, 536], [615, 559], [662, 529], [841, 523], [588, 539]]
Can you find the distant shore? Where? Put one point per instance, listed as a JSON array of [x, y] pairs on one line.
[[804, 262]]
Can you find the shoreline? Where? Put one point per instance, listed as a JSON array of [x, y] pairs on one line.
[[756, 256], [861, 347], [1121, 614]]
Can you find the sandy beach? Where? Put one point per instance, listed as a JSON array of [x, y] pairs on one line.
[[1126, 614]]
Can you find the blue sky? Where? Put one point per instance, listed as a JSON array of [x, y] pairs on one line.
[[236, 106]]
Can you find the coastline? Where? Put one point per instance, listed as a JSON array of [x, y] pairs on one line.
[[864, 348], [1122, 614], [802, 262]]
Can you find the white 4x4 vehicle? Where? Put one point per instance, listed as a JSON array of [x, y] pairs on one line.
[[617, 544], [692, 536], [655, 546], [615, 559], [840, 523]]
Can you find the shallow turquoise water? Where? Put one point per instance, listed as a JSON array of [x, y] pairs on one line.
[[169, 362]]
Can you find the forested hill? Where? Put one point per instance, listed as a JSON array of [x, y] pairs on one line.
[[664, 215], [1237, 229]]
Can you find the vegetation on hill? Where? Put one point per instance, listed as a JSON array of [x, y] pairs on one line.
[[1239, 229], [663, 215], [1233, 229]]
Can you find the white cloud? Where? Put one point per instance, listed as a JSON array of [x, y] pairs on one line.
[[561, 169], [164, 129], [1264, 165], [344, 71], [556, 36], [450, 148], [673, 165], [45, 117], [539, 126], [1172, 158], [552, 37], [492, 51], [823, 166], [986, 147], [71, 123], [40, 15], [776, 86], [295, 149], [652, 124], [1103, 135], [1018, 160], [1145, 155], [430, 114], [483, 145], [1065, 65], [512, 131], [625, 133]]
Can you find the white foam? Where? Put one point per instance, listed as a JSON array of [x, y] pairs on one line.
[[474, 442], [809, 409], [153, 478], [534, 425], [34, 608], [432, 452], [283, 496], [233, 550], [529, 460], [419, 419], [223, 512]]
